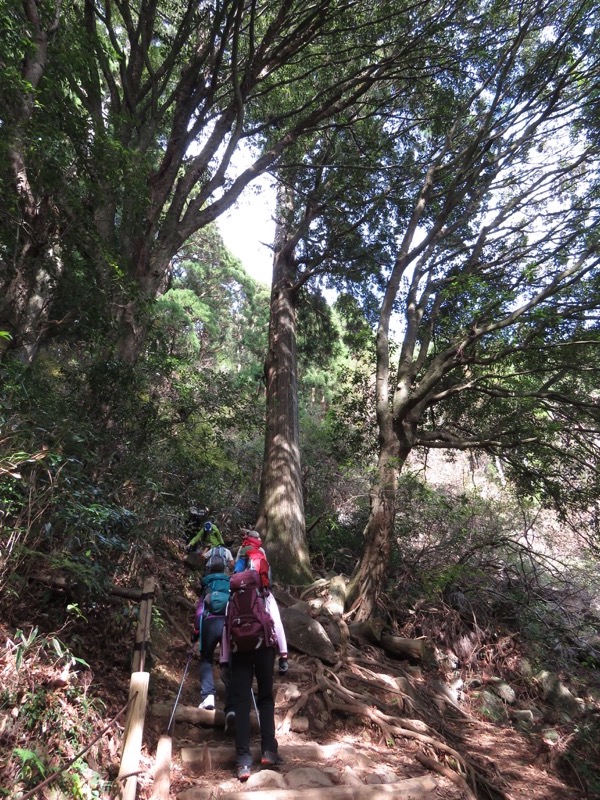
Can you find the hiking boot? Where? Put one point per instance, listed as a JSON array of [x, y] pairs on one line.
[[230, 722], [243, 773], [270, 759], [208, 703]]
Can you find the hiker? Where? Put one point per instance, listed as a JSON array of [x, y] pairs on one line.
[[208, 631], [219, 559], [250, 648], [208, 536], [195, 518], [251, 555]]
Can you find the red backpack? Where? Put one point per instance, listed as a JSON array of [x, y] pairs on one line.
[[249, 624], [256, 559]]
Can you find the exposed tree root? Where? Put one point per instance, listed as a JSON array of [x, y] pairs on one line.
[[435, 766], [337, 686], [286, 723]]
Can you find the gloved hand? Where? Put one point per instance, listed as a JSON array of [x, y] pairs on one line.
[[283, 665]]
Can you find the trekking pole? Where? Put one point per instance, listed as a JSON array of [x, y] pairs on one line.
[[255, 706], [187, 666]]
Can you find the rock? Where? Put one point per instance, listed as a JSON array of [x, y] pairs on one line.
[[286, 693], [352, 757], [551, 736], [350, 778], [196, 793], [333, 773], [332, 629], [299, 725], [557, 694], [338, 588], [303, 606], [307, 777], [283, 598], [307, 635], [380, 777], [449, 691], [524, 716], [524, 668], [266, 779], [492, 706], [503, 690]]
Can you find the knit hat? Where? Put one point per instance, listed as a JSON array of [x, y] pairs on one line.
[[251, 538]]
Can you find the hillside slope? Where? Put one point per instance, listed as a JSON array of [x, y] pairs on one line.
[[483, 726]]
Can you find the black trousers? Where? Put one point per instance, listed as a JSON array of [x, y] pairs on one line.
[[244, 666]]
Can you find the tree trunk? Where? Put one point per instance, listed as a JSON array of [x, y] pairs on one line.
[[25, 309], [281, 513], [151, 275], [370, 575], [29, 286]]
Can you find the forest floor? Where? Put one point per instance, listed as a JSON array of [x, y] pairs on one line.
[[502, 760], [373, 735], [514, 763]]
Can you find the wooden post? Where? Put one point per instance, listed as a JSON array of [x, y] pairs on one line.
[[134, 731], [142, 636], [138, 695], [162, 773]]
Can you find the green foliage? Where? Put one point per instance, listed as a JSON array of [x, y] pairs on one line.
[[580, 758], [318, 333], [46, 702], [31, 769], [336, 543], [497, 562], [101, 459]]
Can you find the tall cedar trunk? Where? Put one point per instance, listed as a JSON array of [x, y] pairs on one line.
[[281, 513]]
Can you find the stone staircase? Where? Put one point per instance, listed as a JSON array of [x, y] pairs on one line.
[[338, 767], [310, 771]]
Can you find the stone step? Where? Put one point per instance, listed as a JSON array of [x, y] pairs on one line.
[[420, 788], [310, 753]]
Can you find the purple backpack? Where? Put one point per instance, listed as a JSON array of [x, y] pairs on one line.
[[249, 624]]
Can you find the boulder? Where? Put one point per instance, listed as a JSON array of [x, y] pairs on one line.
[[307, 777], [557, 694], [307, 635], [503, 690]]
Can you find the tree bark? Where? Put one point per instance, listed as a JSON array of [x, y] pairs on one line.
[[31, 278], [370, 575], [281, 513]]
